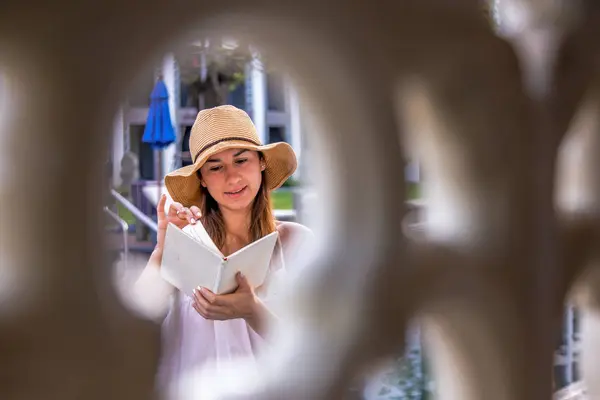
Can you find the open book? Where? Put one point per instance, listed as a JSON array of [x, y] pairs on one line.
[[191, 259]]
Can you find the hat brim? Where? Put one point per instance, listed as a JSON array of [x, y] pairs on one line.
[[183, 184]]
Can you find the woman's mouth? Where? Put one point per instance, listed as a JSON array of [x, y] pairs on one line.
[[236, 193]]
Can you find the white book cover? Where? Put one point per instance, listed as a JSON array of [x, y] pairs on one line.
[[191, 259]]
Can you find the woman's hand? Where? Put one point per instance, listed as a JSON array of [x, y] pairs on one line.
[[178, 215], [240, 304]]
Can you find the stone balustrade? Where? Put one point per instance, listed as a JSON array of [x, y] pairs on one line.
[[504, 122]]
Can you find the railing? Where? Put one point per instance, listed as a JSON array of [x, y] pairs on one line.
[[124, 229], [567, 356], [575, 391], [149, 222], [285, 215]]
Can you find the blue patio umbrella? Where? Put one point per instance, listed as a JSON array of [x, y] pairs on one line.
[[159, 132]]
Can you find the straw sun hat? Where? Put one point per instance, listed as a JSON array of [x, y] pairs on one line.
[[221, 128]]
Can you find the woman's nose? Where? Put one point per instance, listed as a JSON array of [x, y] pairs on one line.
[[232, 176]]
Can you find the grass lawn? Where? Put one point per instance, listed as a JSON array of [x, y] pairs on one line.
[[282, 200], [125, 214], [413, 191]]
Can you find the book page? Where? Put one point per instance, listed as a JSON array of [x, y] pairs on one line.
[[188, 263], [198, 232], [253, 261]]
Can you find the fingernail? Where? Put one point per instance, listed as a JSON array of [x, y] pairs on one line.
[[198, 214], [192, 221], [241, 274]]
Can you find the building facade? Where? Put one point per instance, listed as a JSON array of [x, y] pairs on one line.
[[268, 97]]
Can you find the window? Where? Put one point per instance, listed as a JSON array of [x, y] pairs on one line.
[[237, 96], [186, 156], [277, 134], [275, 92], [143, 150]]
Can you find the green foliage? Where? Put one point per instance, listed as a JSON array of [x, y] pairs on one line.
[[407, 376], [237, 79], [125, 214], [406, 379], [413, 191], [291, 182], [282, 200]]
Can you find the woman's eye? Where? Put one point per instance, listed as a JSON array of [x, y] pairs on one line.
[[241, 161], [215, 169]]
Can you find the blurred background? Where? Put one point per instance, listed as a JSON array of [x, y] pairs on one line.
[[211, 71]]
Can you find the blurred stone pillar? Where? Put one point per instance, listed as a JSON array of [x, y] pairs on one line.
[[170, 74], [256, 89]]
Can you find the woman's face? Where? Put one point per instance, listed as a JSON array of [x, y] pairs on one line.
[[233, 177]]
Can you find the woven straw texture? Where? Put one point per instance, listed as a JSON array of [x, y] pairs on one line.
[[221, 128]]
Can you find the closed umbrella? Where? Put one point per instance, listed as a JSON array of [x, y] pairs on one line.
[[159, 132]]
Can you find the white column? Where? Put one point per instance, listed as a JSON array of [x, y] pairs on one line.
[[258, 83], [169, 72], [118, 146], [295, 125], [413, 171]]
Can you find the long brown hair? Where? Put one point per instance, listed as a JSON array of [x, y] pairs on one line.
[[262, 220]]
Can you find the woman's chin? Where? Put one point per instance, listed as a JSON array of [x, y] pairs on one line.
[[237, 204]]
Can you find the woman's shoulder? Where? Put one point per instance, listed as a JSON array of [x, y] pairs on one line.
[[293, 231], [297, 243]]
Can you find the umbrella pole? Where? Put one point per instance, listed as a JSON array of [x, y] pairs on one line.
[[159, 177]]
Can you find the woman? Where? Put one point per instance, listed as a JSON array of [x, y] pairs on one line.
[[227, 189]]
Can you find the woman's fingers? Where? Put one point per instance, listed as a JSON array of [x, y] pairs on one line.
[[199, 299], [160, 208], [186, 213], [209, 296], [208, 314], [174, 210], [208, 309], [196, 211], [201, 310], [161, 222], [177, 212]]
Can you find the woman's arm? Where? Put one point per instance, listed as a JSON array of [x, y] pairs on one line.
[[261, 318], [151, 292], [294, 238]]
